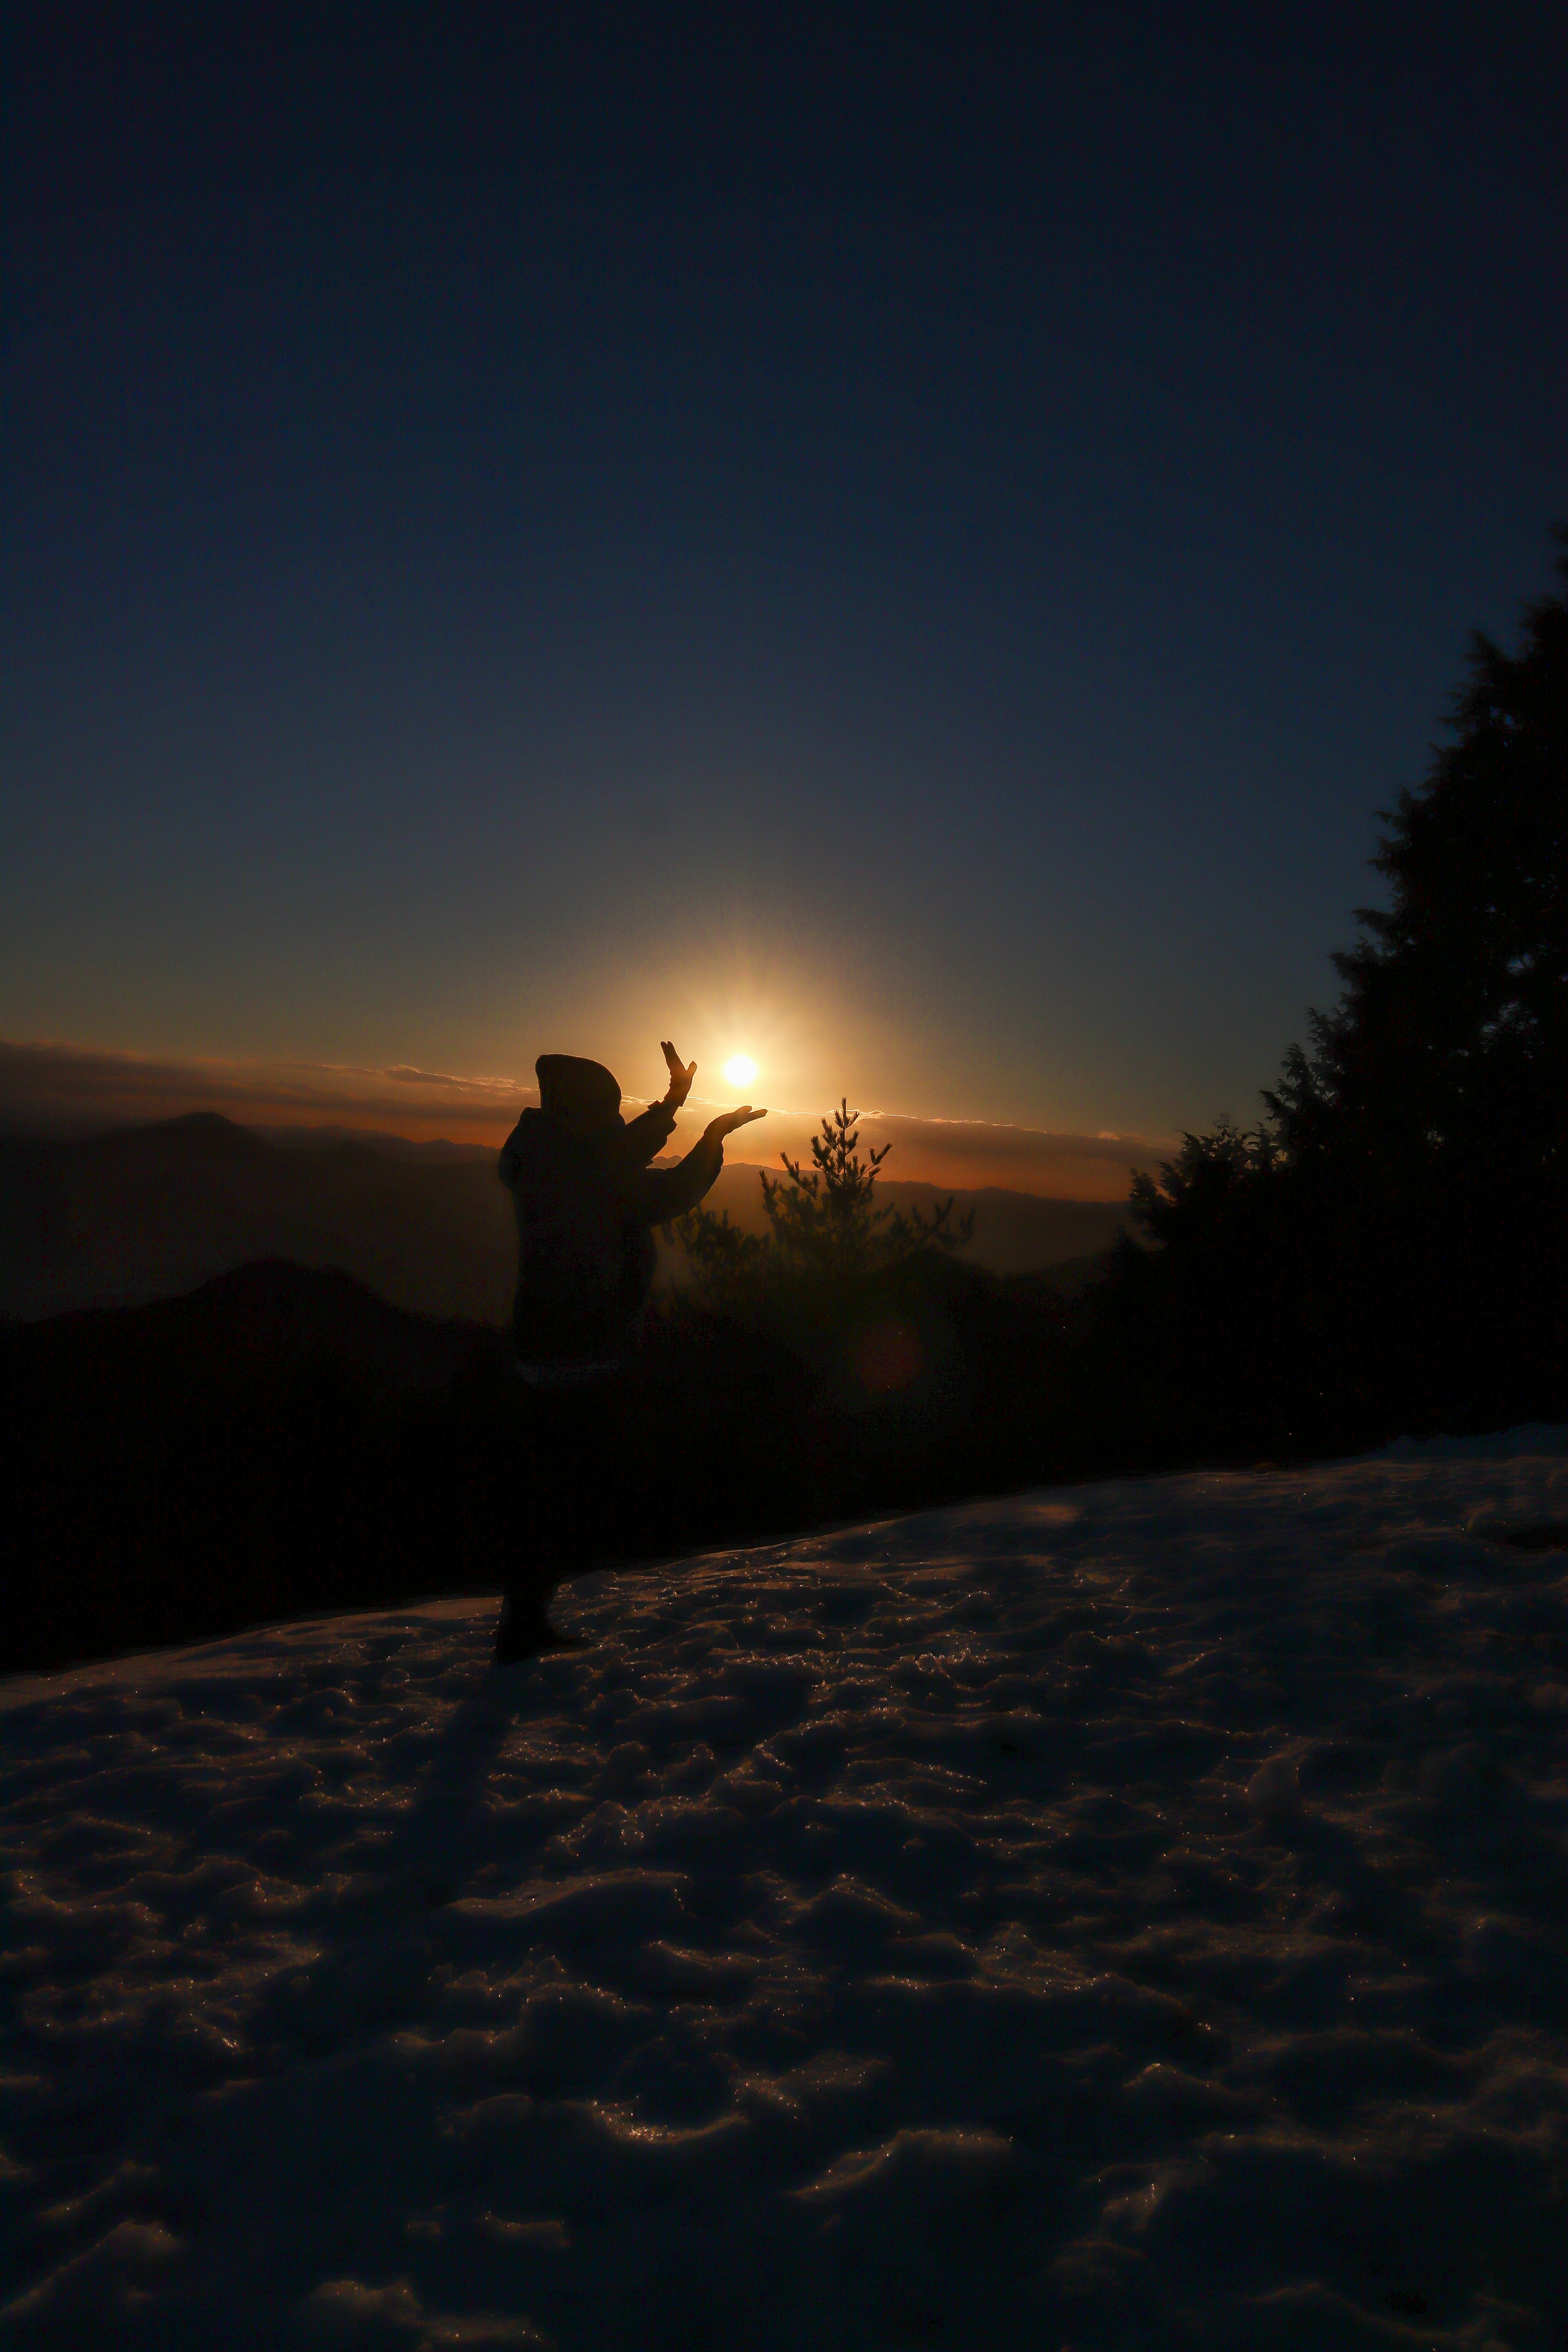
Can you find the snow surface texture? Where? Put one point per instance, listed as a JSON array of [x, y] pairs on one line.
[[1132, 1915]]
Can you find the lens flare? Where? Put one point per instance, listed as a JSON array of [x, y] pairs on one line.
[[739, 1069]]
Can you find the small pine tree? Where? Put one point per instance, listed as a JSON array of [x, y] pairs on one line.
[[824, 1226], [825, 1222]]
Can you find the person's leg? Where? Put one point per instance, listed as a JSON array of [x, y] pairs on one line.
[[557, 1536], [524, 1627], [525, 1630]]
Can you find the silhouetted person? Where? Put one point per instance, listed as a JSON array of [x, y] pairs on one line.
[[587, 1201]]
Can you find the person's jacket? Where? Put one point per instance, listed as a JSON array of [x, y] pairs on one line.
[[587, 1203]]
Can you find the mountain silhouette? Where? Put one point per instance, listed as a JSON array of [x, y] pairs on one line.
[[146, 1213]]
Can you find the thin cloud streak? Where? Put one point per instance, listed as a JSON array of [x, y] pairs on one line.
[[52, 1088]]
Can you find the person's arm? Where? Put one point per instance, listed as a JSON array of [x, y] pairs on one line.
[[649, 1133], [669, 1193]]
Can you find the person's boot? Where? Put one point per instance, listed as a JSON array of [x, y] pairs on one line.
[[524, 1631]]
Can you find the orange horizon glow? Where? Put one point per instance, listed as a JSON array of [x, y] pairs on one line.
[[67, 1089]]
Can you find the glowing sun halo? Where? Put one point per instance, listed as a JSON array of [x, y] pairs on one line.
[[740, 1070]]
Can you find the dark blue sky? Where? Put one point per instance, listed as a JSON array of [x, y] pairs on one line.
[[866, 536]]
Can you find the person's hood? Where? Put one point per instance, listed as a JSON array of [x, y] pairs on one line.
[[584, 1094]]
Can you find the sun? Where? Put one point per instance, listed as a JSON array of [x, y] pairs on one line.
[[739, 1069]]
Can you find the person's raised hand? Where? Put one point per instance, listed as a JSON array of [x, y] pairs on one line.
[[729, 1120], [681, 1077]]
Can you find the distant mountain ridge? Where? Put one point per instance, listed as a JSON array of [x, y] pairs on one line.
[[145, 1212], [1014, 1233]]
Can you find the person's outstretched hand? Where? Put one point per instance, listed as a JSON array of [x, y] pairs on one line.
[[681, 1077], [729, 1120]]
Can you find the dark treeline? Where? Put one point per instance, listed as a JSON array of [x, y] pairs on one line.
[[1387, 1251]]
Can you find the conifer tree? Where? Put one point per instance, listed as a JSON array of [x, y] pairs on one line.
[[824, 1224], [1450, 1043], [1392, 1248]]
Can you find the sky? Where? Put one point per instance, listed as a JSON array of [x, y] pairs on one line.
[[911, 543]]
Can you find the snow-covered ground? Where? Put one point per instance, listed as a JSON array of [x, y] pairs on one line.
[[1130, 1916]]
